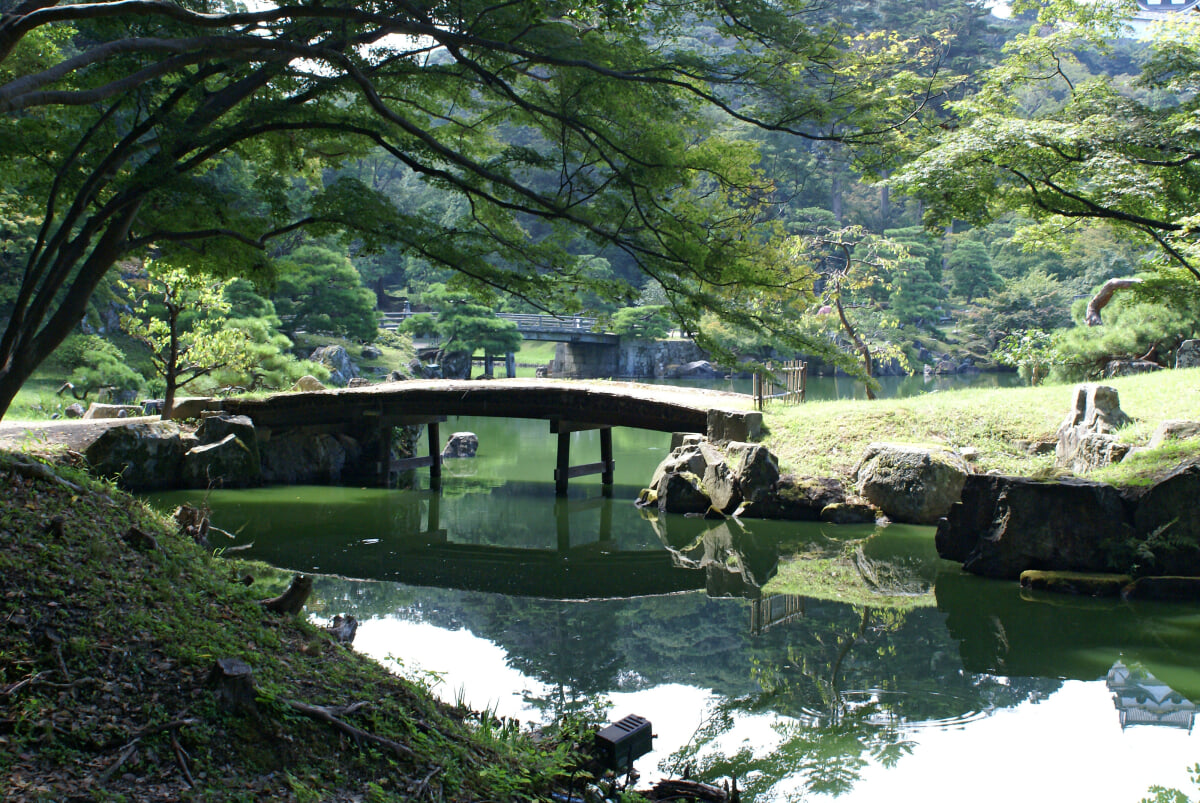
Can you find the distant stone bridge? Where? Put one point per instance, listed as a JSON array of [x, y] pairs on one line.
[[564, 329], [569, 406]]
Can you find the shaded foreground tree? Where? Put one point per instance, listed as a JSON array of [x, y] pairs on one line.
[[185, 130]]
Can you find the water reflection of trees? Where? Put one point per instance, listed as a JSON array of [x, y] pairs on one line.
[[845, 685]]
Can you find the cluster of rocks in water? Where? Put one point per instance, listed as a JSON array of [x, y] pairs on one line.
[[732, 478]]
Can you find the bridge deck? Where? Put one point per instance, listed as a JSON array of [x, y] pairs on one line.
[[654, 407]]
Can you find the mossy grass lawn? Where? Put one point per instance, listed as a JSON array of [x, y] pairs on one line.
[[106, 642], [826, 438]]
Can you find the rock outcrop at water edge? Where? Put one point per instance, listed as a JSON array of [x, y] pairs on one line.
[[743, 480], [914, 484]]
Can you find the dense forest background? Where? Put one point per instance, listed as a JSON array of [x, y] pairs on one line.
[[898, 268]]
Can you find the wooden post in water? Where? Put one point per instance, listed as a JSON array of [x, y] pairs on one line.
[[564, 471], [433, 459], [435, 456], [606, 456]]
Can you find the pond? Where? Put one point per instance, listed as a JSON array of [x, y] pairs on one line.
[[498, 594]]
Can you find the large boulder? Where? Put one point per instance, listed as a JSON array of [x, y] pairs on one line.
[[682, 492], [341, 368], [456, 365], [721, 485], [914, 484], [227, 463], [1006, 525], [98, 410], [307, 384], [461, 444], [695, 369], [143, 456], [756, 468], [1188, 354], [1085, 438], [215, 427], [796, 499], [1116, 368], [1167, 525], [1173, 431], [685, 458], [734, 425], [298, 457]]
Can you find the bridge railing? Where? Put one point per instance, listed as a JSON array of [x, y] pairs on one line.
[[525, 323]]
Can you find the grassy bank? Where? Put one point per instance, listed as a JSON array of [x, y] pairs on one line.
[[110, 623], [826, 438]]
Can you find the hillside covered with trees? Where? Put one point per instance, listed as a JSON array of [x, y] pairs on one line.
[[188, 186]]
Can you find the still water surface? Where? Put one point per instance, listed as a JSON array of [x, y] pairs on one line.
[[496, 592]]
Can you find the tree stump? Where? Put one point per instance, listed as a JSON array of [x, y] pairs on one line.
[[193, 523], [343, 629], [292, 600], [233, 681]]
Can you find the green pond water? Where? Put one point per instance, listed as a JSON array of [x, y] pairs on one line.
[[496, 592]]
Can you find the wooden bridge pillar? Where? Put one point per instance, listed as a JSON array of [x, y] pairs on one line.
[[510, 365], [433, 460], [564, 471]]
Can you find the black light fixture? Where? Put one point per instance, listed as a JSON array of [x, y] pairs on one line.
[[620, 744]]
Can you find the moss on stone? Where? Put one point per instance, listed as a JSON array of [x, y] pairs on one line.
[[1078, 583]]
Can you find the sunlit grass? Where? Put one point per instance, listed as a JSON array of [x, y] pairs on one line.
[[828, 437]]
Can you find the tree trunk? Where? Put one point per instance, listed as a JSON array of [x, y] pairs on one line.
[[1099, 301], [291, 601], [859, 344], [33, 332]]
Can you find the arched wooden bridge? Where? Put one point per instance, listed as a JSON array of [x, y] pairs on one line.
[[569, 406]]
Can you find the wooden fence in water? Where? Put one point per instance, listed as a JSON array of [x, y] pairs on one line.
[[766, 385]]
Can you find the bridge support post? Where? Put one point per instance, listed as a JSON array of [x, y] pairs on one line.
[[433, 459], [510, 365], [435, 456], [564, 471], [489, 365]]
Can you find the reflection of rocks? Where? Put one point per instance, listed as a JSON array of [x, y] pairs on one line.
[[734, 562]]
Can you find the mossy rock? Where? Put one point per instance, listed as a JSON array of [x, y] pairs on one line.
[[1077, 583]]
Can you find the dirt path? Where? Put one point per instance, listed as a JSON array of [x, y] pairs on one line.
[[76, 434]]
